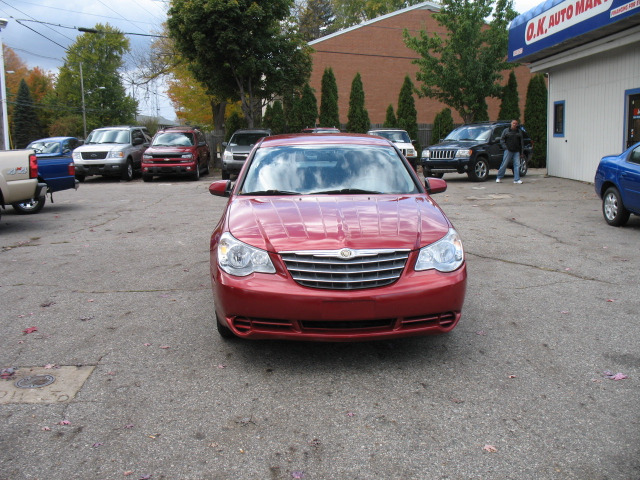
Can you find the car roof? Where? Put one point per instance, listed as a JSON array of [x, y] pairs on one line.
[[387, 130], [52, 139], [309, 139]]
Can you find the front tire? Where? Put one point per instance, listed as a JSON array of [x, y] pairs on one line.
[[479, 171], [196, 176], [225, 332], [612, 208], [30, 206], [127, 174]]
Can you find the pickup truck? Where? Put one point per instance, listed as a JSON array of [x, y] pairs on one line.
[[55, 168], [19, 177]]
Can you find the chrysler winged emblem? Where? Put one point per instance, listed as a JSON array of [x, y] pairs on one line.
[[346, 253]]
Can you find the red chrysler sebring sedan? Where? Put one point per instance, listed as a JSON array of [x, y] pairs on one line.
[[333, 238]]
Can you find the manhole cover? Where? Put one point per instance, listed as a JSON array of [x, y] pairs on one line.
[[35, 381]]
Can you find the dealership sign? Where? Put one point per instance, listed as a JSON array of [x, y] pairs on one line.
[[555, 22]]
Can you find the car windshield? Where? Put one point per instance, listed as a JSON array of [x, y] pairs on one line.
[[245, 139], [480, 133], [109, 136], [393, 135], [327, 169], [173, 139], [45, 147]]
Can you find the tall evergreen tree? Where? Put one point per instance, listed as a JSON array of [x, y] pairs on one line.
[[308, 107], [510, 106], [329, 114], [316, 19], [535, 118], [26, 126], [358, 116], [390, 120], [442, 125], [407, 113], [277, 124]]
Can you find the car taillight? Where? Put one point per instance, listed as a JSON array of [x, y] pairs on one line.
[[33, 166], [72, 168]]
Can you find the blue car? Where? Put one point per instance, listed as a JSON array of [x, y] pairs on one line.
[[617, 183], [55, 168]]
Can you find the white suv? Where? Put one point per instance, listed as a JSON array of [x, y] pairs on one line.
[[112, 151], [401, 140]]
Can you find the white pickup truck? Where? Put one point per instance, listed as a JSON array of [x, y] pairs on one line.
[[19, 177]]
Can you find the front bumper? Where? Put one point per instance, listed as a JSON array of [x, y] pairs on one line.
[[262, 306], [444, 166], [232, 166], [181, 169], [101, 168]]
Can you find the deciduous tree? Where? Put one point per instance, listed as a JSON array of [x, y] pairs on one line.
[[462, 68], [242, 49], [106, 99]]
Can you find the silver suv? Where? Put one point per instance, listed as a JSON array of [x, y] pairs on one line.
[[112, 151], [238, 148]]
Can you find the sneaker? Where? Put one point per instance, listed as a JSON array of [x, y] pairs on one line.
[[497, 180], [517, 181]]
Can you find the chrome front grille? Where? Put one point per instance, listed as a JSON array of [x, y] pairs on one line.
[[442, 154], [345, 269]]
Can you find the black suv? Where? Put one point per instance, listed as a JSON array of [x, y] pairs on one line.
[[473, 149]]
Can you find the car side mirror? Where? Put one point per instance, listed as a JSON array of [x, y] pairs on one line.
[[220, 188], [434, 185], [224, 144]]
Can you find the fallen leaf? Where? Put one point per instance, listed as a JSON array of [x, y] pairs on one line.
[[128, 472], [96, 445], [351, 414], [64, 422], [614, 376], [26, 331], [7, 373], [297, 474], [130, 425], [46, 429], [610, 300], [490, 448], [481, 332], [165, 347]]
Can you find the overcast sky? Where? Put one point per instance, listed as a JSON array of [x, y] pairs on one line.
[[39, 31]]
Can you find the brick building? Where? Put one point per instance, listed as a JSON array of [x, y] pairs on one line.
[[377, 51]]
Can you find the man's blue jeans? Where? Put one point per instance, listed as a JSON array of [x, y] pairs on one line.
[[516, 164]]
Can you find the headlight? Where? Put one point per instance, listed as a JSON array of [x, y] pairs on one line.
[[465, 153], [116, 154], [239, 259], [187, 155], [411, 152], [227, 155], [445, 255], [76, 156], [426, 154], [147, 156]]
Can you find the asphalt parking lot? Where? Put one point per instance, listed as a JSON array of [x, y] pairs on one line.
[[106, 294]]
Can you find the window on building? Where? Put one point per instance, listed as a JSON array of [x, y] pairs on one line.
[[558, 119]]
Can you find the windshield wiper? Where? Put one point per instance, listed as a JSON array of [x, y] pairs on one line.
[[271, 192], [346, 191]]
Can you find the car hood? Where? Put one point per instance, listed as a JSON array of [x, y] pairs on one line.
[[165, 150], [329, 223], [93, 147]]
